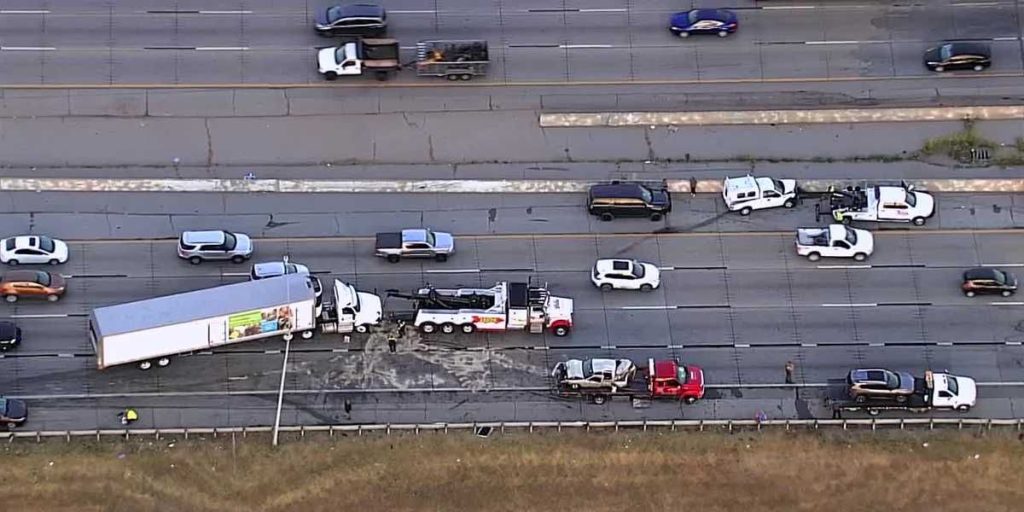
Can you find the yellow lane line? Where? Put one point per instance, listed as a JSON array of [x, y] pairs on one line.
[[575, 236]]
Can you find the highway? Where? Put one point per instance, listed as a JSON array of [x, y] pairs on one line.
[[262, 42], [735, 300]]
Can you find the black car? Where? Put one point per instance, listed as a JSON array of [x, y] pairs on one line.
[[704, 21], [628, 199], [958, 55], [10, 336], [12, 412], [352, 20], [988, 280]]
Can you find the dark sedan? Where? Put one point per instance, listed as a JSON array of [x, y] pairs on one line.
[[12, 412], [704, 21], [352, 20], [958, 55], [10, 336], [988, 280]]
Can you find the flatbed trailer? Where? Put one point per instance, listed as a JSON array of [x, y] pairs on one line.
[[935, 392], [663, 378]]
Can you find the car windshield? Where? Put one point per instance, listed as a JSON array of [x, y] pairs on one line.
[[954, 386], [43, 278], [892, 381], [431, 239], [46, 244], [588, 368], [911, 199], [646, 194], [638, 270], [682, 374], [945, 51], [851, 236], [779, 187], [230, 241], [694, 17], [334, 13]]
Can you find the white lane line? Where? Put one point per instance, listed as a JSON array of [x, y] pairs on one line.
[[603, 10], [998, 384], [787, 7], [1007, 303], [225, 12], [233, 274], [23, 11], [842, 266], [647, 307], [52, 315], [582, 46], [452, 271], [411, 12], [1007, 38], [974, 4], [27, 48], [222, 48], [844, 42], [876, 344], [1002, 264], [850, 305], [944, 343]]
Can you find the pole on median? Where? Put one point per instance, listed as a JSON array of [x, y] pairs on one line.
[[284, 364]]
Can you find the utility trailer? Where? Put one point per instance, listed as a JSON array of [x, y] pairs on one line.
[[936, 391], [504, 307], [666, 378], [454, 60], [149, 332]]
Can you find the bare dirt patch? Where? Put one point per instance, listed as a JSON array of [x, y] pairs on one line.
[[810, 471]]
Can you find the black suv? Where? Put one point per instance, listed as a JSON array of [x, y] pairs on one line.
[[988, 280], [352, 20], [628, 199]]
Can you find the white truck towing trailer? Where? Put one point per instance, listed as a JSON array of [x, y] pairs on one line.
[[503, 307], [881, 203], [148, 332]]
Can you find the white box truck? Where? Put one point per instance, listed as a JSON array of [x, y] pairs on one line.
[[148, 332]]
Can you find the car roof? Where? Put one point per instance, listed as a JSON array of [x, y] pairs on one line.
[[626, 189], [614, 265], [971, 48], [25, 276], [980, 273], [414, 235], [361, 11], [665, 369], [203, 237], [869, 375], [892, 194], [715, 14]]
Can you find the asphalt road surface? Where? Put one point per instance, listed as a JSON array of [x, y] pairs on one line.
[[738, 303], [89, 42]]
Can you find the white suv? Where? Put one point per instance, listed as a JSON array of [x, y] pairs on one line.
[[199, 246], [615, 274]]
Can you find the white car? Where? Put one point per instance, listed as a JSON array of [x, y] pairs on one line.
[[619, 274], [270, 269], [594, 373], [33, 249]]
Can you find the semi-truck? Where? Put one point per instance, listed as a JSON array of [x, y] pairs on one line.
[[149, 332], [601, 379], [504, 307]]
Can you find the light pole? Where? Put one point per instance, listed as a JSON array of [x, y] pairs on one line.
[[287, 347]]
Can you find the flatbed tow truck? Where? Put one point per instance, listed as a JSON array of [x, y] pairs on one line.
[[663, 378], [936, 391]]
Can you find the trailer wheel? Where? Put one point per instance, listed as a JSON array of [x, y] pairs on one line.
[[599, 399], [382, 76], [465, 77], [690, 399], [163, 362], [901, 399], [393, 258], [145, 365], [361, 329], [288, 336], [447, 328], [468, 328], [307, 335], [428, 328], [561, 331], [963, 408]]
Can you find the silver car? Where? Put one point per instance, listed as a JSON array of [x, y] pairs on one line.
[[199, 246]]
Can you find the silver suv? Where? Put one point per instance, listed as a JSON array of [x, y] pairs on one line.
[[199, 246]]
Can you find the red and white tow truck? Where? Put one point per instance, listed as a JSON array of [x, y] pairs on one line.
[[663, 378]]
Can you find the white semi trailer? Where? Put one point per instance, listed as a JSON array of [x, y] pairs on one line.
[[148, 332]]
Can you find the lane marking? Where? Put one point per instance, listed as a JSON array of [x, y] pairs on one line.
[[787, 7], [849, 305], [1001, 265], [822, 43], [604, 10], [584, 46], [225, 12], [413, 12], [1007, 303], [222, 48], [1008, 38], [50, 315], [226, 274], [647, 307], [24, 11], [452, 271], [842, 266], [27, 48]]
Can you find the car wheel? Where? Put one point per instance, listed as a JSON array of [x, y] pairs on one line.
[[55, 261], [195, 260], [452, 77], [860, 399], [561, 331], [860, 256], [393, 258], [901, 399], [599, 399], [978, 67], [655, 217], [447, 328], [969, 293], [362, 329], [331, 75], [919, 221], [873, 412], [690, 399], [723, 33], [307, 334], [237, 259], [940, 69], [12, 262], [53, 298], [607, 217], [789, 203], [441, 257], [963, 408], [606, 287], [11, 298], [468, 328], [465, 77], [684, 34], [145, 365], [1007, 293], [646, 288], [814, 256], [428, 328], [163, 362], [746, 211], [846, 221]]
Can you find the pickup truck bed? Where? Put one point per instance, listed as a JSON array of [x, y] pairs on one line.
[[389, 241], [812, 237]]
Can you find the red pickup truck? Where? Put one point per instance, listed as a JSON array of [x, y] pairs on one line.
[[665, 378]]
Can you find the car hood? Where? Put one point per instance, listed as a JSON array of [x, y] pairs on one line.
[[661, 197], [865, 241], [968, 391], [652, 272], [325, 58], [925, 203], [57, 281], [16, 409], [444, 241], [244, 243], [932, 54], [8, 332], [906, 382], [321, 18], [788, 186]]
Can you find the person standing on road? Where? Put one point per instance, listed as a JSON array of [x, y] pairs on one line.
[[128, 416], [790, 368], [693, 187]]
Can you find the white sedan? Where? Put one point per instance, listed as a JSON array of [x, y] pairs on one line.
[[615, 274], [33, 249]]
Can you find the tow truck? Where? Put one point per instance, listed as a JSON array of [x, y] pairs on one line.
[[506, 306], [879, 203], [664, 378], [936, 391]]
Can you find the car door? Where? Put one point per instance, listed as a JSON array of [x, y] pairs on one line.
[[30, 255], [839, 248], [30, 289], [417, 250], [771, 199]]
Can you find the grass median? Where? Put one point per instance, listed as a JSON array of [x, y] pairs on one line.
[[767, 471]]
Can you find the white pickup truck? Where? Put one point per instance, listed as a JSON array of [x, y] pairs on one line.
[[747, 193], [834, 241], [881, 204]]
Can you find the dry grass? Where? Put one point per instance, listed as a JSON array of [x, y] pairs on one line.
[[596, 472]]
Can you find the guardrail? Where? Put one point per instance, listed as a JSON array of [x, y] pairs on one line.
[[531, 426]]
